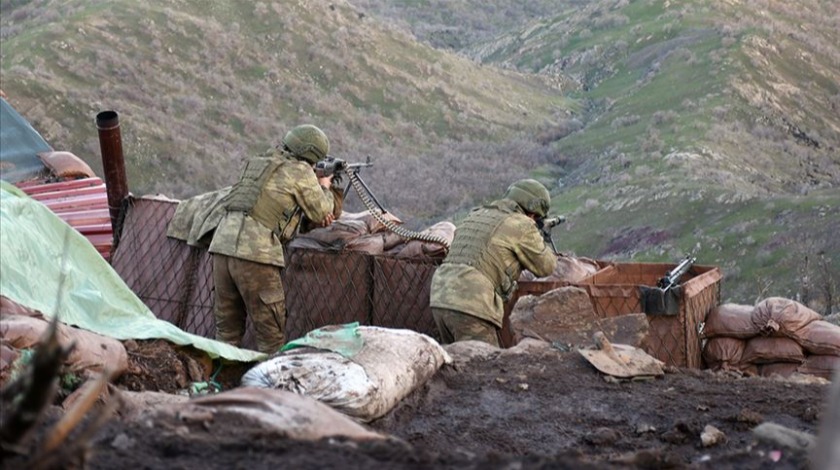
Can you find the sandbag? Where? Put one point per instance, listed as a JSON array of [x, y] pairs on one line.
[[92, 352], [723, 353], [783, 369], [390, 364], [375, 243], [290, 414], [569, 269], [834, 319], [820, 365], [372, 224], [347, 232], [731, 320], [765, 350], [424, 249], [777, 316], [819, 337], [66, 165]]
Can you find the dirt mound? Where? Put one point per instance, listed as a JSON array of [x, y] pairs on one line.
[[158, 365], [508, 409]]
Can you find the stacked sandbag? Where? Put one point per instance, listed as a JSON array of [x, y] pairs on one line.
[[569, 269], [362, 232], [777, 336], [426, 249], [363, 372], [348, 228]]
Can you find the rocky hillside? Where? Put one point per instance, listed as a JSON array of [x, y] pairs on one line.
[[661, 127], [708, 126], [201, 84]]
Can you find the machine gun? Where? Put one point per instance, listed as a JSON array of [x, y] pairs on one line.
[[672, 277], [334, 166], [545, 225], [337, 167]]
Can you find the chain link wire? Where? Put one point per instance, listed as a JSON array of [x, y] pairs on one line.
[[322, 288]]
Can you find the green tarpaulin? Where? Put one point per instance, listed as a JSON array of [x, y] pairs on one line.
[[48, 266]]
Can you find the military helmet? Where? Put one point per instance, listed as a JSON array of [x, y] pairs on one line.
[[531, 196], [307, 142]]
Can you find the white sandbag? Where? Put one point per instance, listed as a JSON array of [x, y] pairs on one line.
[[391, 364], [290, 414]]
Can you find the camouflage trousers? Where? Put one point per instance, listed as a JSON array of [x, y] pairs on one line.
[[457, 326], [253, 289]]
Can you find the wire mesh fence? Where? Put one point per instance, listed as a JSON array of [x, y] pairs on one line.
[[673, 338], [322, 288], [327, 287]]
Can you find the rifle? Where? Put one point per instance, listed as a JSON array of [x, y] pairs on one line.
[[672, 277], [545, 225]]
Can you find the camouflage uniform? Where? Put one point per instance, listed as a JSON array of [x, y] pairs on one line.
[[455, 326], [248, 253], [491, 247]]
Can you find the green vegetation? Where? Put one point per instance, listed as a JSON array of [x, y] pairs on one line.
[[659, 126]]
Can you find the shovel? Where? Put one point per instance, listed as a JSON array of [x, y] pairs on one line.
[[621, 360]]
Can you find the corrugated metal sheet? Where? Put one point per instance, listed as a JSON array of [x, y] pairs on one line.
[[82, 203]]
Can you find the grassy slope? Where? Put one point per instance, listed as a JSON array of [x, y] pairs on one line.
[[201, 84], [698, 117], [710, 125]]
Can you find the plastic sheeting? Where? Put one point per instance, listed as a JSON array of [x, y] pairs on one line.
[[48, 266], [342, 339], [19, 146]]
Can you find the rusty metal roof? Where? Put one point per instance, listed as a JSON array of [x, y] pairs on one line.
[[59, 180], [82, 203]]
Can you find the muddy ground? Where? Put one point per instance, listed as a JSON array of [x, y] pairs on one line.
[[543, 408]]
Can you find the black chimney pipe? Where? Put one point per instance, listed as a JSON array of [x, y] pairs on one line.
[[110, 142]]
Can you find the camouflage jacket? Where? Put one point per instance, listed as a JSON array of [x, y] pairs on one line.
[[480, 282], [239, 235]]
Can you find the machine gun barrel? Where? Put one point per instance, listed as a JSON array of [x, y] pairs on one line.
[[672, 277], [333, 165]]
